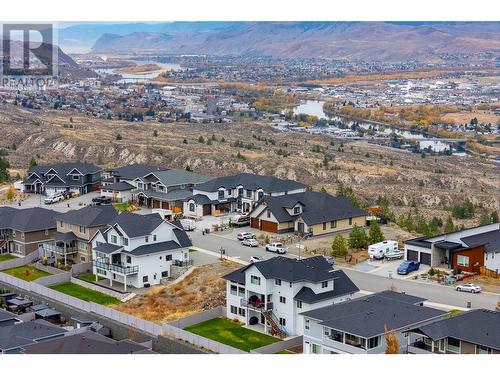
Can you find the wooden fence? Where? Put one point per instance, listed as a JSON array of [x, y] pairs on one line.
[[489, 273]]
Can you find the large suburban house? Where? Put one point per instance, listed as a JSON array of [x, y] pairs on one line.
[[468, 249], [358, 326], [152, 186], [470, 332], [23, 231], [307, 212], [273, 293], [79, 178], [138, 250], [236, 193], [75, 229]]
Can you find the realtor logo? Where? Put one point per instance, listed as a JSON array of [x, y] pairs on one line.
[[29, 56]]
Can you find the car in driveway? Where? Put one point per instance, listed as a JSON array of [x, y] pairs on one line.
[[471, 288], [252, 242], [408, 266], [240, 220], [255, 259], [97, 201], [245, 235], [276, 247], [58, 197]]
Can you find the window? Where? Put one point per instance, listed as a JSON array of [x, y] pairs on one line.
[[146, 239], [441, 345], [277, 281], [129, 259], [83, 259], [144, 279], [191, 207], [333, 224], [75, 177], [350, 221], [168, 258], [46, 232], [307, 324], [336, 335], [260, 195], [463, 261], [282, 299], [315, 349], [82, 245], [268, 214], [296, 210], [124, 241], [241, 292], [357, 341], [255, 280], [100, 271], [480, 349], [299, 304], [373, 342], [154, 237], [241, 311], [68, 226], [61, 224], [114, 239], [324, 226], [160, 188], [82, 229], [453, 345], [282, 322], [234, 310], [23, 236], [234, 290], [249, 193], [221, 194], [164, 274], [324, 284], [229, 192]]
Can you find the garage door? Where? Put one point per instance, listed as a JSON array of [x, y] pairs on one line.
[[425, 258], [254, 222], [207, 209], [269, 226], [412, 255]]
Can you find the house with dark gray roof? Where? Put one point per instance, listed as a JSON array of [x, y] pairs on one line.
[[236, 193], [470, 332], [358, 326], [75, 228], [23, 231], [139, 250], [470, 250], [80, 178], [274, 292], [309, 212]]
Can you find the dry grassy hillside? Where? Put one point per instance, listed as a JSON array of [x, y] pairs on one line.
[[431, 183]]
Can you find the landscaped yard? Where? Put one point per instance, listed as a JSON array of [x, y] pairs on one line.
[[85, 294], [27, 273], [89, 277], [232, 334], [4, 257]]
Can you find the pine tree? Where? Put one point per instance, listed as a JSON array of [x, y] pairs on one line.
[[357, 238], [449, 226], [32, 163], [375, 234], [339, 246]]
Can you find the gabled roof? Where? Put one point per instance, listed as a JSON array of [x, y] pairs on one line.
[[491, 240], [173, 177], [317, 207], [62, 169], [313, 269], [269, 184], [107, 248], [199, 199], [343, 285], [90, 216], [153, 248], [368, 316], [476, 326], [133, 171], [135, 225], [27, 219], [119, 186]]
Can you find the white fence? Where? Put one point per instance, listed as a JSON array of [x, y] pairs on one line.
[[279, 346], [59, 278], [18, 262], [199, 317]]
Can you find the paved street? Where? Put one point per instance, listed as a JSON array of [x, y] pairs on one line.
[[371, 282], [36, 200]]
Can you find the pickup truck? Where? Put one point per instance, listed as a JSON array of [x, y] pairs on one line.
[[393, 255], [408, 266]]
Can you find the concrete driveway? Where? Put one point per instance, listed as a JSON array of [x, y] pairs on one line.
[[36, 200], [388, 269]]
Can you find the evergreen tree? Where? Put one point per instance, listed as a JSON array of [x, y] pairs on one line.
[[375, 234], [32, 163], [339, 246], [357, 238], [449, 226]]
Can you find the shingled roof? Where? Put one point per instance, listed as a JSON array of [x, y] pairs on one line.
[[27, 219], [250, 181], [90, 216]]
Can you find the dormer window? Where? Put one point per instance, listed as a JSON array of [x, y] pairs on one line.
[[296, 210], [221, 194], [154, 237], [114, 239]]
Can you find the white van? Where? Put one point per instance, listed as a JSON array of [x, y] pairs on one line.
[[188, 224], [379, 249]]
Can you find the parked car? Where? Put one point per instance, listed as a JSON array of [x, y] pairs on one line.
[[254, 259], [252, 242], [54, 198], [240, 220], [329, 259], [188, 224], [97, 201], [471, 288], [244, 235], [276, 247], [408, 266], [379, 249], [393, 255]]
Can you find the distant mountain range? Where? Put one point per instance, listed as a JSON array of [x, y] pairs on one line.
[[383, 41]]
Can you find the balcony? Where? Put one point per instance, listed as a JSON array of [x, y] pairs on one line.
[[419, 347], [116, 267], [256, 304], [60, 250]]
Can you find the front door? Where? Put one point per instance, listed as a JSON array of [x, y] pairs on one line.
[[300, 227]]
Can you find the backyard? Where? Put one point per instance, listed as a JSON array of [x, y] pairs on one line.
[[27, 273], [85, 294], [233, 334], [89, 277], [4, 257]]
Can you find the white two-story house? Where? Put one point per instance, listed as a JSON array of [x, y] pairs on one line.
[[139, 250], [274, 292], [236, 193]]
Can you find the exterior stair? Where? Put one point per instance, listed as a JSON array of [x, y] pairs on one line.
[[276, 329]]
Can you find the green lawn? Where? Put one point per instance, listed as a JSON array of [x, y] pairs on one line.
[[120, 207], [6, 257], [89, 277], [85, 294], [453, 312], [27, 273], [232, 334]]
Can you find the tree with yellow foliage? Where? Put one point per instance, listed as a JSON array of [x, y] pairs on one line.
[[11, 193], [391, 341]]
